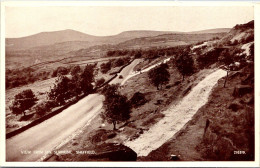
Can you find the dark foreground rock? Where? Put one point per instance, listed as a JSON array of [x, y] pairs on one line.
[[114, 152]]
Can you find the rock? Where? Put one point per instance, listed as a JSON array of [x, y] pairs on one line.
[[241, 90], [234, 106], [114, 152]]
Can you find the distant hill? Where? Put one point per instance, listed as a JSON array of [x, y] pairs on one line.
[[50, 38], [55, 45], [47, 38]]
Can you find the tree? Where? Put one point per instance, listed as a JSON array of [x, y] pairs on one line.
[[86, 79], [116, 106], [226, 59], [185, 64], [23, 101], [75, 70], [160, 75], [61, 90]]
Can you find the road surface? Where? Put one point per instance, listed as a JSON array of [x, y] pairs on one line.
[[132, 73], [125, 72], [175, 117], [36, 142], [48, 134]]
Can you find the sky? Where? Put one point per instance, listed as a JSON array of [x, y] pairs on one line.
[[111, 20]]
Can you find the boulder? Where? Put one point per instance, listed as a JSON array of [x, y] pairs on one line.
[[114, 152], [241, 90]]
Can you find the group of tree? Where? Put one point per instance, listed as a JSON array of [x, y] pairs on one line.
[[65, 70], [66, 88], [160, 75], [206, 59], [150, 53], [105, 67], [24, 76]]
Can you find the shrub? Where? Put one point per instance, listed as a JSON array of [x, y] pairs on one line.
[[138, 99], [44, 107], [105, 67], [118, 62], [100, 82], [60, 71]]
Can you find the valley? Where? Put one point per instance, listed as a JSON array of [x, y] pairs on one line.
[[138, 95]]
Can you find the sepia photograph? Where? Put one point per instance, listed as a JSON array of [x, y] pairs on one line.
[[116, 83]]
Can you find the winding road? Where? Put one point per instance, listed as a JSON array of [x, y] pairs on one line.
[[36, 142]]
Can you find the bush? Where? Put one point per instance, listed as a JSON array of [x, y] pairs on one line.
[[105, 67], [100, 82], [138, 99], [44, 107], [60, 71], [118, 62], [75, 70]]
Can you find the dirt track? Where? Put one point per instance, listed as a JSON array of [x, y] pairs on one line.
[[175, 117]]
